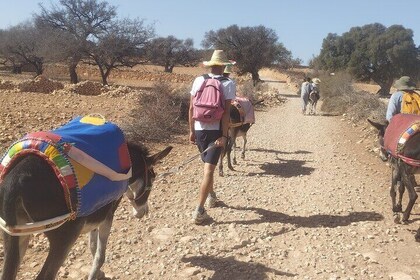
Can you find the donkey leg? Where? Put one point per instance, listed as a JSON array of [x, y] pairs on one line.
[[244, 147], [417, 236], [229, 151], [14, 250], [98, 242], [234, 151], [401, 190], [412, 195], [61, 240], [100, 239], [395, 179], [222, 155]]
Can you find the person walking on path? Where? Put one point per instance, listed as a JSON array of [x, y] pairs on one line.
[[305, 89], [212, 132], [405, 88]]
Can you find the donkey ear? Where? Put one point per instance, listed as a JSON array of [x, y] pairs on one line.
[[158, 156], [376, 125]]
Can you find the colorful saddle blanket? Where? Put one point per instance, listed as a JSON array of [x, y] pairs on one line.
[[400, 129], [77, 152]]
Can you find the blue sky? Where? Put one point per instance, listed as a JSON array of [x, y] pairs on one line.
[[301, 25]]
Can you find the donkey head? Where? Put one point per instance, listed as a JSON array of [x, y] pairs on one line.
[[143, 176], [381, 133]]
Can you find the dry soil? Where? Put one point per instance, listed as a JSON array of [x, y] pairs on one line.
[[309, 201]]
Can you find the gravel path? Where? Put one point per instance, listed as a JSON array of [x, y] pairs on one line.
[[308, 202]]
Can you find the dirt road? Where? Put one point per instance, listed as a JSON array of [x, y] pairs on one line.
[[308, 202]]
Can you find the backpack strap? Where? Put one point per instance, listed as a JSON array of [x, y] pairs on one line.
[[220, 79]]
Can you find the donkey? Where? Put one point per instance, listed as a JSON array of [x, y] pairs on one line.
[[313, 100], [404, 165], [237, 128], [31, 192]]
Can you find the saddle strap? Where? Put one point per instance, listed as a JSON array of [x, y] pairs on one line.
[[96, 166], [35, 227], [409, 161]]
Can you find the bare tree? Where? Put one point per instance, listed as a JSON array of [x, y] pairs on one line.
[[120, 45], [170, 52], [22, 45], [83, 20]]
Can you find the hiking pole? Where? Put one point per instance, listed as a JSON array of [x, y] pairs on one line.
[[179, 167]]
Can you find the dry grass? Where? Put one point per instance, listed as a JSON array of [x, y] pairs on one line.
[[160, 114], [340, 97]]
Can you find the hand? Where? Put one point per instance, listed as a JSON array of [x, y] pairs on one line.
[[192, 138], [221, 142]]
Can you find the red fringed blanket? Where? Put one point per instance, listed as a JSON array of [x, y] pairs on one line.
[[399, 130]]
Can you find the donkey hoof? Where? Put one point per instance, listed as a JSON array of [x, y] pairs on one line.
[[397, 218], [221, 174], [234, 162], [242, 156]]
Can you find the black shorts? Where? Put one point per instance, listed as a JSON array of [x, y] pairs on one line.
[[203, 139]]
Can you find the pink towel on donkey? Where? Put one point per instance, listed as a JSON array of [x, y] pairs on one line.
[[400, 129], [248, 109]]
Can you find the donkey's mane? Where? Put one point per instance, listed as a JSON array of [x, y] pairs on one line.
[[139, 147]]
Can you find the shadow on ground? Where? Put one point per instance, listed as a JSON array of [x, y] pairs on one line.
[[279, 152], [284, 168], [230, 268], [314, 221]]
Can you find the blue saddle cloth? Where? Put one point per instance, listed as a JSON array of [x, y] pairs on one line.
[[105, 142]]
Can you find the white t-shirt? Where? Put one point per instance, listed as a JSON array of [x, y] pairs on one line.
[[229, 92]]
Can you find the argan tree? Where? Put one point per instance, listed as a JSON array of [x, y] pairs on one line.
[[371, 52], [22, 45], [170, 52], [120, 45], [252, 47], [83, 20]]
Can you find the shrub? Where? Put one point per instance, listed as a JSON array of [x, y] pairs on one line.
[[339, 97], [246, 89], [161, 113]]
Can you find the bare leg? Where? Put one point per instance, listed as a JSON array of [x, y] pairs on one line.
[[207, 183]]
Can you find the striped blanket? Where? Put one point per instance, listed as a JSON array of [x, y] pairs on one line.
[[400, 129], [89, 156]]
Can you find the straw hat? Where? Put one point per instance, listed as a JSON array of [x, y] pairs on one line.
[[316, 81], [217, 59], [228, 68], [404, 83]]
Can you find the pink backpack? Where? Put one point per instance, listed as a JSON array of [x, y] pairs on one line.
[[209, 101]]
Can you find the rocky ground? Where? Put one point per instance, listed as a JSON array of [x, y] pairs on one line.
[[310, 201]]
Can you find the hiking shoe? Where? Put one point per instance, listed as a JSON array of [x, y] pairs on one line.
[[211, 201], [199, 218]]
